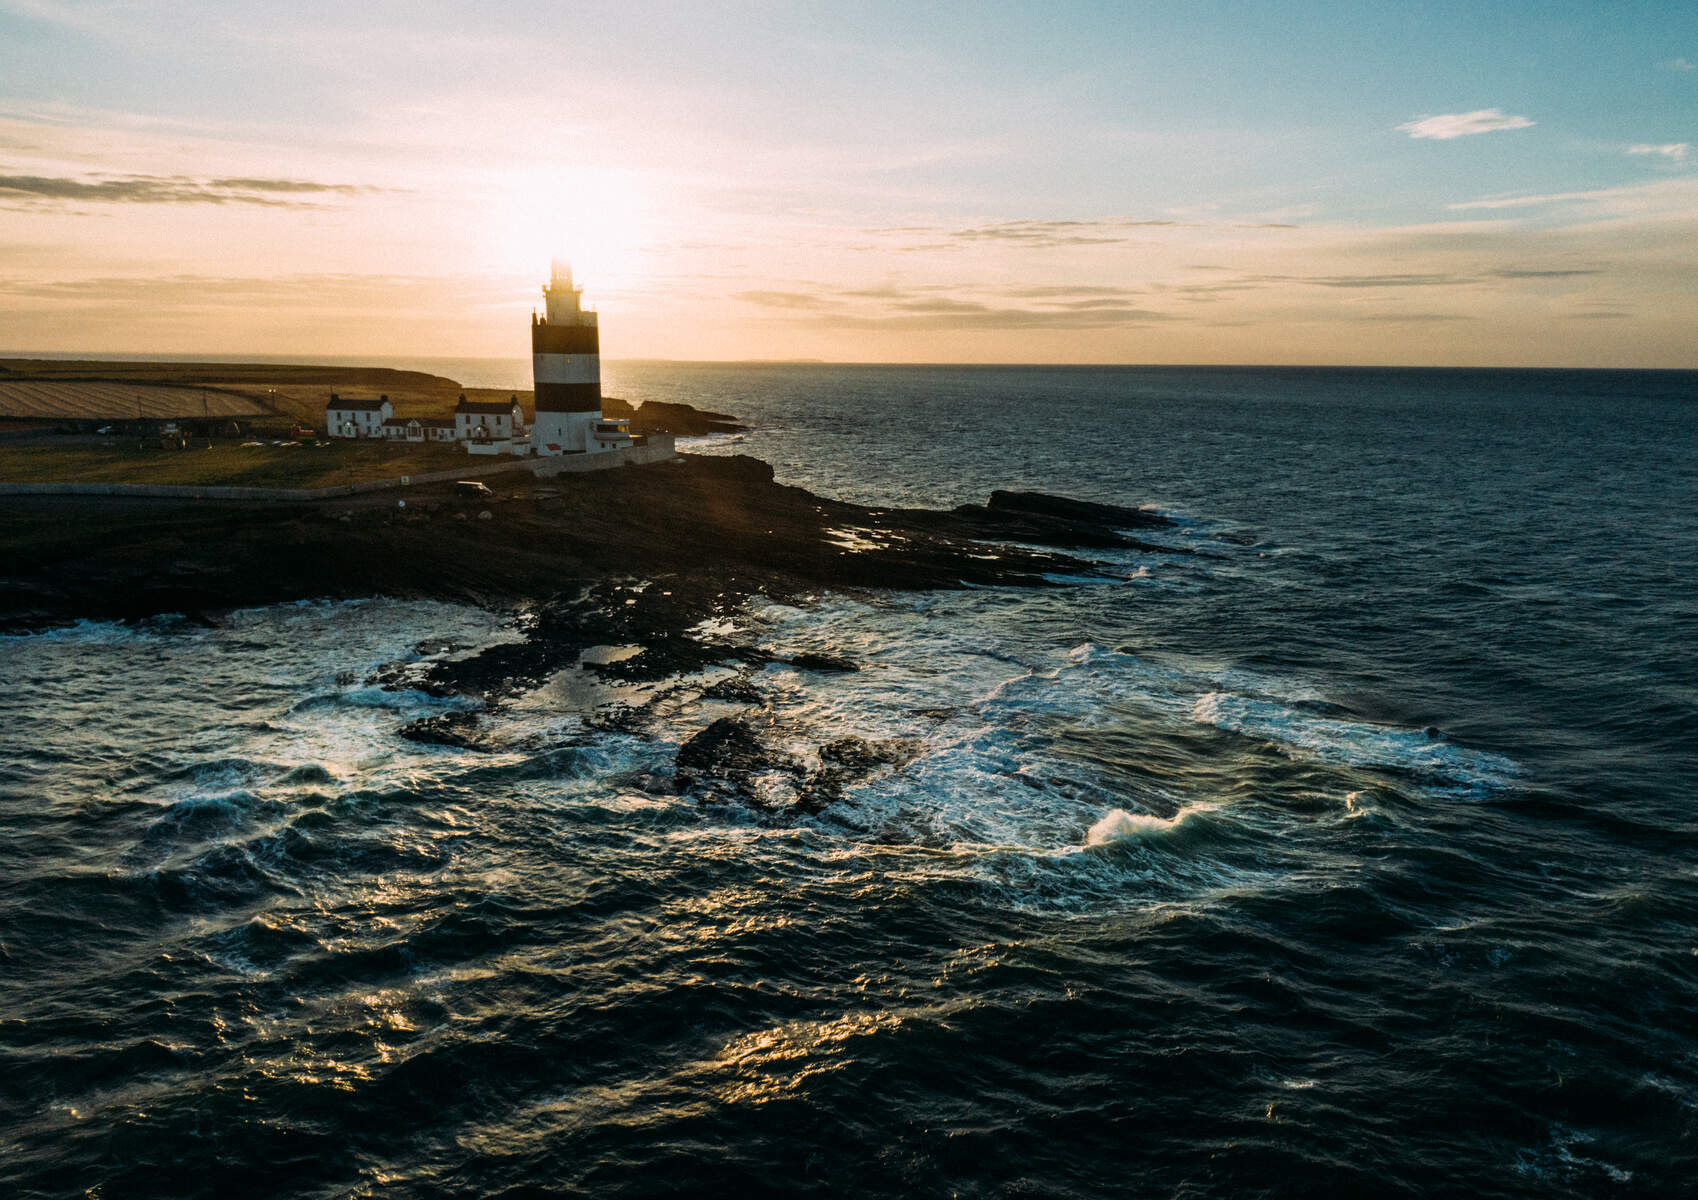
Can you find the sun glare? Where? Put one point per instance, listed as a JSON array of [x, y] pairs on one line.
[[596, 218]]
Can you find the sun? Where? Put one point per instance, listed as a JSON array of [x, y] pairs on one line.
[[598, 218]]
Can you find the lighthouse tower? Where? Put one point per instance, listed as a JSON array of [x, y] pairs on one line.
[[566, 366]]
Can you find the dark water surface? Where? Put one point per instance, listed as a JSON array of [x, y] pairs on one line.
[[1352, 854]]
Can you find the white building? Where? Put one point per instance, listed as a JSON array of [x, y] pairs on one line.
[[490, 428], [495, 428], [419, 429], [478, 421], [349, 418], [566, 369]]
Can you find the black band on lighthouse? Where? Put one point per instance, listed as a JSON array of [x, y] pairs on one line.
[[565, 339], [568, 397]]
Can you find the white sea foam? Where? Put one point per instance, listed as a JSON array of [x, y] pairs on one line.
[[1006, 774], [110, 633], [707, 442], [406, 698], [1353, 743], [1120, 824], [379, 699], [1082, 580], [1010, 778]]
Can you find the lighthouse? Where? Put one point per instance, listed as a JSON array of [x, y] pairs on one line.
[[566, 369]]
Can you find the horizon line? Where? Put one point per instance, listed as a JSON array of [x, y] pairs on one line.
[[238, 357]]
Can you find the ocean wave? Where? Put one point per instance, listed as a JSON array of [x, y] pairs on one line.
[[1119, 824], [373, 696], [707, 442], [1037, 753], [110, 633], [1354, 743]]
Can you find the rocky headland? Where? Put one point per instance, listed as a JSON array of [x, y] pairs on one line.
[[643, 557]]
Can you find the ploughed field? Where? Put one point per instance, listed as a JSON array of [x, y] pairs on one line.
[[268, 464], [73, 390], [92, 401], [69, 389]]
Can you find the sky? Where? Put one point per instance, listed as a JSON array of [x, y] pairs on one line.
[[1187, 181]]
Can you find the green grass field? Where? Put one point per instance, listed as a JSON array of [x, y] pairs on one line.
[[227, 464]]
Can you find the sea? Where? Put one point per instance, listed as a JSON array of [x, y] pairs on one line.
[[1346, 844]]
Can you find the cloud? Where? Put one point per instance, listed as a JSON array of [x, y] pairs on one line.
[[943, 305], [1454, 125], [1678, 64], [1066, 291], [872, 293], [791, 300], [1674, 196], [1404, 318], [1537, 273], [1674, 151], [983, 317], [1054, 308], [47, 12], [1209, 291], [1374, 281], [160, 293], [1027, 233], [18, 190], [1104, 304], [1041, 233], [1344, 281], [1530, 201]]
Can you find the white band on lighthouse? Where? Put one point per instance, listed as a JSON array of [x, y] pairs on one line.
[[566, 368]]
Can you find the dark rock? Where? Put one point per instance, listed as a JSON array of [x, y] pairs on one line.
[[716, 529], [846, 762], [729, 753], [409, 677], [438, 646], [738, 689], [659, 416], [458, 729], [726, 744], [1084, 511], [822, 662], [859, 754], [729, 756], [618, 718]]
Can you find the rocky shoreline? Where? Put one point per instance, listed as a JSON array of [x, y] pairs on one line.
[[646, 558], [718, 528]]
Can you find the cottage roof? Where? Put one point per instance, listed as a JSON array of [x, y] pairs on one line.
[[436, 422], [500, 408], [349, 404]]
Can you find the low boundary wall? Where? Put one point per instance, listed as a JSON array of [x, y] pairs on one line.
[[660, 448]]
